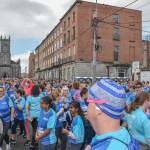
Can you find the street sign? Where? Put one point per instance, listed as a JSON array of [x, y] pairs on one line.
[[135, 67]]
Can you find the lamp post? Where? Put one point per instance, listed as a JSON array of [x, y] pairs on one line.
[[59, 61]]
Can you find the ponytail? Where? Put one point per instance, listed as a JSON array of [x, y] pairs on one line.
[[76, 104], [139, 101], [80, 112]]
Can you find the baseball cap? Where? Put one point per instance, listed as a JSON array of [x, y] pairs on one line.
[[109, 97], [55, 86]]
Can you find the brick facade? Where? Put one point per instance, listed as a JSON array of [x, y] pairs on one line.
[[146, 53], [68, 49], [31, 65]]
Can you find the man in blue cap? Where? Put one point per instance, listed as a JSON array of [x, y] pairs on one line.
[[106, 103]]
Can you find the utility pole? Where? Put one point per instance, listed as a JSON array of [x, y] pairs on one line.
[[95, 22]]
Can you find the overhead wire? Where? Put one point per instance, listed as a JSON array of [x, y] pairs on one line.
[[143, 5], [119, 9], [125, 26]]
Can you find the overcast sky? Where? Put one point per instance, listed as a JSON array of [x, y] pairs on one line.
[[29, 21]]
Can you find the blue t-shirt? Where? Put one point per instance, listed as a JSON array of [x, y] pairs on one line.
[[6, 86], [34, 105], [60, 118], [138, 125], [146, 89], [131, 98], [84, 108], [106, 141], [5, 105], [47, 120], [83, 105], [11, 94], [77, 128], [19, 114]]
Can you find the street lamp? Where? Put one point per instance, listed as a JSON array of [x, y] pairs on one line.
[[59, 61]]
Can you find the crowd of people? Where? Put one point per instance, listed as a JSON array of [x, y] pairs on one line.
[[61, 115]]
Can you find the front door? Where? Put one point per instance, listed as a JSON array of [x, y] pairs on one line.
[[4, 75]]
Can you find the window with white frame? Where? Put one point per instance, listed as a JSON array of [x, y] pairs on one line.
[[52, 48], [60, 30], [69, 52], [64, 53], [73, 50], [61, 42], [58, 44], [61, 55], [55, 47]]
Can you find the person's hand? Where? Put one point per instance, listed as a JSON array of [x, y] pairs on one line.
[[65, 131], [37, 138], [88, 147], [12, 119], [85, 115], [30, 118], [16, 101], [64, 100]]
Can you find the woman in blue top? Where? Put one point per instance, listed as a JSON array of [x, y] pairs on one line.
[[89, 131], [138, 121], [19, 107], [6, 116], [45, 133], [11, 91], [76, 133], [33, 110], [59, 109]]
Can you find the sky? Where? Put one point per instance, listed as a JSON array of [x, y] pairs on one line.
[[28, 22]]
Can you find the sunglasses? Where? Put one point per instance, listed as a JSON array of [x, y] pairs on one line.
[[137, 87]]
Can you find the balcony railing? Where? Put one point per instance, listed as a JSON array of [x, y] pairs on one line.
[[57, 63]]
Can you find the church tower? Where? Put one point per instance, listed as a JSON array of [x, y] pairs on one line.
[[5, 56], [8, 67]]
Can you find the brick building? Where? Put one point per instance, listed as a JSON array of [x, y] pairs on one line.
[[68, 49], [31, 65], [146, 54]]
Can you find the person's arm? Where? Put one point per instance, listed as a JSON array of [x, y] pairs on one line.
[[59, 112], [146, 127], [18, 106], [21, 105], [12, 110], [27, 110], [70, 134], [45, 133]]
